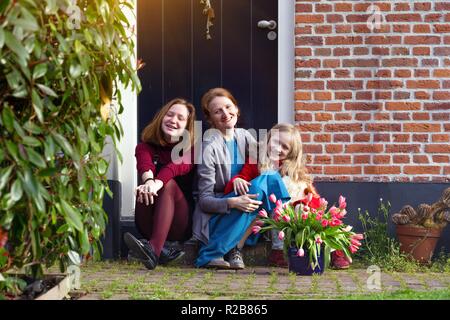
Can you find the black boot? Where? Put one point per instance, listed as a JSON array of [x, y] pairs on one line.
[[141, 250]]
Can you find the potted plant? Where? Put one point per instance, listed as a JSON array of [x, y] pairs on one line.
[[418, 231], [61, 65], [310, 231]]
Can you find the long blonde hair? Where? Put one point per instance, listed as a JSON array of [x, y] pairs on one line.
[[294, 166]]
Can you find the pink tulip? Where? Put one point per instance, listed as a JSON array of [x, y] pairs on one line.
[[323, 202], [300, 252], [279, 203], [263, 213], [256, 229], [318, 217], [335, 222], [324, 223], [353, 249], [355, 242], [285, 205], [273, 198], [305, 216], [277, 217], [259, 222], [319, 240], [334, 211], [306, 208], [358, 236], [286, 218], [342, 203], [342, 213], [281, 235]]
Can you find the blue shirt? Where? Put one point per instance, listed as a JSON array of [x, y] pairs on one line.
[[237, 162]]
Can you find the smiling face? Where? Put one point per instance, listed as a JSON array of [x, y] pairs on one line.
[[279, 146], [223, 113], [174, 122]]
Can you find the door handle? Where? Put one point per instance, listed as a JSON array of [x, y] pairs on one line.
[[264, 24]]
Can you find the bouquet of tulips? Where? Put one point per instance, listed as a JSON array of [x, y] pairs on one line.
[[309, 224]]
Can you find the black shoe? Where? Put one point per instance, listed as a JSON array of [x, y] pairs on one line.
[[234, 257], [170, 255], [141, 251]]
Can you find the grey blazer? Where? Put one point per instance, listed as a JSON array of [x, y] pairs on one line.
[[213, 172]]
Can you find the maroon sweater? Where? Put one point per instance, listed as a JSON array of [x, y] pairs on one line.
[[145, 155]]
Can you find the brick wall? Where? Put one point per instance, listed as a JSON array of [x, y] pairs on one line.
[[374, 105]]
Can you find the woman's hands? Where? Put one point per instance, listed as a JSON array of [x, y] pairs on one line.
[[147, 191], [245, 203], [241, 186]]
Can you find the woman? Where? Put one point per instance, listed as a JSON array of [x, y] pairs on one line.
[[225, 149], [163, 182]]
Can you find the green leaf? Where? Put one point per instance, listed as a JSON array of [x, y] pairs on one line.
[[73, 217], [2, 38], [31, 141], [13, 150], [39, 71], [8, 118], [75, 70], [29, 25], [4, 176], [33, 128], [84, 241], [37, 105], [46, 90], [63, 143], [15, 46], [16, 190], [35, 158]]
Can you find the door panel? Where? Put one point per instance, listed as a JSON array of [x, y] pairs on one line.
[[181, 62]]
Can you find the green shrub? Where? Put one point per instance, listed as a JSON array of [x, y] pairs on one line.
[[54, 78]]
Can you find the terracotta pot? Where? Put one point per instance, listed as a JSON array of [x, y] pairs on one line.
[[417, 241]]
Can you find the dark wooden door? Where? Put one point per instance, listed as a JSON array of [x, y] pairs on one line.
[[181, 62]]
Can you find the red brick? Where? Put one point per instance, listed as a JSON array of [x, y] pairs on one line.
[[378, 127], [421, 116], [421, 169], [361, 63], [423, 95], [322, 138], [303, 30], [308, 106], [400, 116], [441, 73], [346, 7], [401, 95], [422, 40], [323, 117], [343, 95], [442, 6], [312, 148], [322, 160], [303, 7], [383, 73], [422, 28], [421, 73], [343, 40], [402, 148], [309, 18], [359, 159], [321, 29], [437, 148], [381, 159], [342, 160], [403, 17], [440, 137], [308, 41], [364, 95], [441, 159], [381, 170], [433, 17], [305, 137], [309, 85], [422, 6], [430, 63], [364, 6], [441, 28], [422, 84], [438, 106], [362, 137], [303, 74], [342, 73], [342, 170], [420, 159], [323, 74], [400, 138], [420, 137], [401, 159], [334, 148], [360, 51], [383, 40], [421, 51], [400, 62], [323, 7], [402, 105], [364, 106], [342, 28], [331, 63], [303, 117], [364, 148], [342, 117], [344, 84], [303, 95], [421, 127], [381, 137], [384, 84], [402, 28], [337, 137], [308, 127], [363, 73], [343, 127], [303, 52], [402, 7], [382, 116], [334, 18], [333, 106], [441, 95], [308, 63], [441, 116]]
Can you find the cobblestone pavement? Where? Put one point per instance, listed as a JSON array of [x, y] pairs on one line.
[[124, 280]]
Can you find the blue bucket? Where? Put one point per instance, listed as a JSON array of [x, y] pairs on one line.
[[301, 265]]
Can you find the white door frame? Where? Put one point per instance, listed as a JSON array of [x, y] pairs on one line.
[[127, 169]]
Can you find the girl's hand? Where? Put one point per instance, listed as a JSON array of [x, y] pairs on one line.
[[241, 186], [147, 191], [245, 203]]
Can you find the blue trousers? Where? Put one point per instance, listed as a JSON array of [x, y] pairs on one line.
[[226, 230]]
